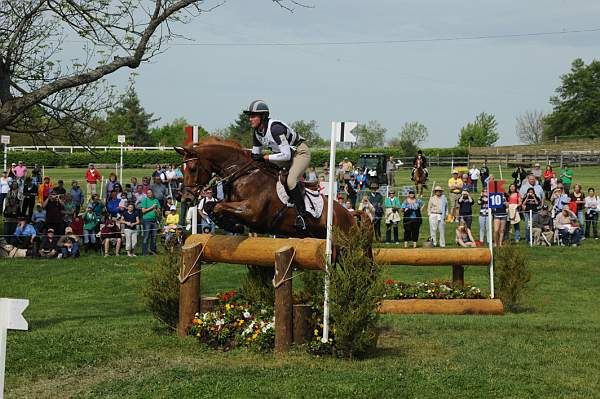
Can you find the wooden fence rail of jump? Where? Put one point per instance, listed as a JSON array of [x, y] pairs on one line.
[[285, 254]]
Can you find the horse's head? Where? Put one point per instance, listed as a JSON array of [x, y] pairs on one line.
[[197, 172], [418, 162]]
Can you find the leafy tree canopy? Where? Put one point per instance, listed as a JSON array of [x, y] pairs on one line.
[[370, 134], [480, 133], [577, 103]]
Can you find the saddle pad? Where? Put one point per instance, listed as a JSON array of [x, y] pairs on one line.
[[313, 201]]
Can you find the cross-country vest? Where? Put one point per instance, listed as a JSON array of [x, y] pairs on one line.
[[267, 140]]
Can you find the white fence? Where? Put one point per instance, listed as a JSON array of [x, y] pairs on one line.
[[74, 148]]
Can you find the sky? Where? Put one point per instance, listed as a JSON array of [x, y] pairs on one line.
[[442, 84]]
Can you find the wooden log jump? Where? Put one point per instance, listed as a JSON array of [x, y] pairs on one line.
[[309, 253], [258, 251]]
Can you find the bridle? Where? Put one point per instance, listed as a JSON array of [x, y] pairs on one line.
[[196, 188]]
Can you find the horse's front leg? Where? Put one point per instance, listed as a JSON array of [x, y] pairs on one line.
[[228, 215]]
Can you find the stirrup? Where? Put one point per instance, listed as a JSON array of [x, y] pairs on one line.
[[300, 223]]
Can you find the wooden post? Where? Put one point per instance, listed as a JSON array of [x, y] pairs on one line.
[[458, 275], [302, 333], [283, 299], [189, 289]]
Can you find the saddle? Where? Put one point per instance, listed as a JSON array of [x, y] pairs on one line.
[[313, 200]]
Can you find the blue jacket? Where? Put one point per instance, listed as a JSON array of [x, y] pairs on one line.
[[28, 231]]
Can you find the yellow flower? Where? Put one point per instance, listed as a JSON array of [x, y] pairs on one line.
[[227, 306], [316, 332]]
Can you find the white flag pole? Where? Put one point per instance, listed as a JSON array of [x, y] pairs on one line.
[[490, 241], [329, 243], [195, 207], [11, 318]]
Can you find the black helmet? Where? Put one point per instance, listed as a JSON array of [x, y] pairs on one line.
[[257, 107]]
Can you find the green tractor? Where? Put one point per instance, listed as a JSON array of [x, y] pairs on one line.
[[374, 164]]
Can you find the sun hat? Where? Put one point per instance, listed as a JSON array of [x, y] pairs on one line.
[[454, 171], [438, 188]]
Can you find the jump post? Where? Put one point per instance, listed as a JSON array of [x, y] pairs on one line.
[[308, 253]]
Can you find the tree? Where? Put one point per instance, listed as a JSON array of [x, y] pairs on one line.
[[308, 130], [173, 134], [480, 133], [112, 35], [414, 132], [577, 103], [371, 134], [129, 118], [530, 127], [240, 131]]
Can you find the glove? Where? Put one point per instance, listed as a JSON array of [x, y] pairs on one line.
[[258, 157]]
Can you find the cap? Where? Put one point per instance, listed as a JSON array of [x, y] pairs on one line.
[[50, 230], [411, 191], [438, 188], [68, 230], [173, 208], [454, 171], [392, 192]]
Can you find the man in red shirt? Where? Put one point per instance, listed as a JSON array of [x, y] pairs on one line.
[[92, 177]]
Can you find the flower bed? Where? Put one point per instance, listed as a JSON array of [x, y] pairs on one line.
[[436, 289], [236, 323]]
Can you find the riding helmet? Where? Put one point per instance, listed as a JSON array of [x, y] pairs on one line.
[[257, 107]]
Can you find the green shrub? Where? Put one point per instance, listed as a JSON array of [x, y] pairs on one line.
[[511, 276], [257, 286], [161, 289], [313, 283], [355, 292]]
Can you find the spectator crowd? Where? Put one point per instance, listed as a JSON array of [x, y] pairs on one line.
[[51, 219]]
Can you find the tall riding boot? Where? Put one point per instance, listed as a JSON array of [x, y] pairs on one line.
[[298, 200]]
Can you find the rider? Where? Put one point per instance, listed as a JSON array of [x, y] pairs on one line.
[[423, 160], [287, 146]]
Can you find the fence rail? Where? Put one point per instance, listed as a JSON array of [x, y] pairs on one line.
[[575, 158]]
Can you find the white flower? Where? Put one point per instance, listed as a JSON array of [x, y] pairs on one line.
[[246, 315], [263, 311], [220, 322]]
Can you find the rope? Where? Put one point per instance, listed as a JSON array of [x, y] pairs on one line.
[[278, 284], [189, 274]]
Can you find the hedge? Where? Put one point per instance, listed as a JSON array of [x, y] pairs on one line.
[[139, 158]]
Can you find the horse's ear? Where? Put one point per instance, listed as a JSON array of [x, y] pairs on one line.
[[181, 150]]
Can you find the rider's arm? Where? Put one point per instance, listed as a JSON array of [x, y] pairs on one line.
[[256, 145], [285, 151]]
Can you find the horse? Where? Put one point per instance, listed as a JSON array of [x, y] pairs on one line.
[[251, 199], [420, 178]]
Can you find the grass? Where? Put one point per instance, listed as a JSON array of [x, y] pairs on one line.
[[91, 337]]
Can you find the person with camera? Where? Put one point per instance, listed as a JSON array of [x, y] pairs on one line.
[[591, 214], [530, 204], [54, 206], [465, 208], [392, 217]]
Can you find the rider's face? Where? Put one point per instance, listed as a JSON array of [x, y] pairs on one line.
[[255, 121]]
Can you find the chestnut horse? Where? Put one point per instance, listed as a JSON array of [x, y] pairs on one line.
[[419, 178], [250, 196]]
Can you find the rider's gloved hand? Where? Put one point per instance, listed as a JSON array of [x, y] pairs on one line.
[[258, 157]]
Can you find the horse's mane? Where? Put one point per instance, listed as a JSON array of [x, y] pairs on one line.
[[231, 144]]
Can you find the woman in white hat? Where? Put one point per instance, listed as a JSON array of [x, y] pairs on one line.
[[437, 210]]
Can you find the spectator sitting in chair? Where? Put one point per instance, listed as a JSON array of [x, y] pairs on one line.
[[38, 218], [68, 244], [110, 234], [569, 231], [171, 222], [25, 234], [543, 231], [48, 247]]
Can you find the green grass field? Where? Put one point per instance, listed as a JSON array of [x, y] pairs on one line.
[[91, 337]]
